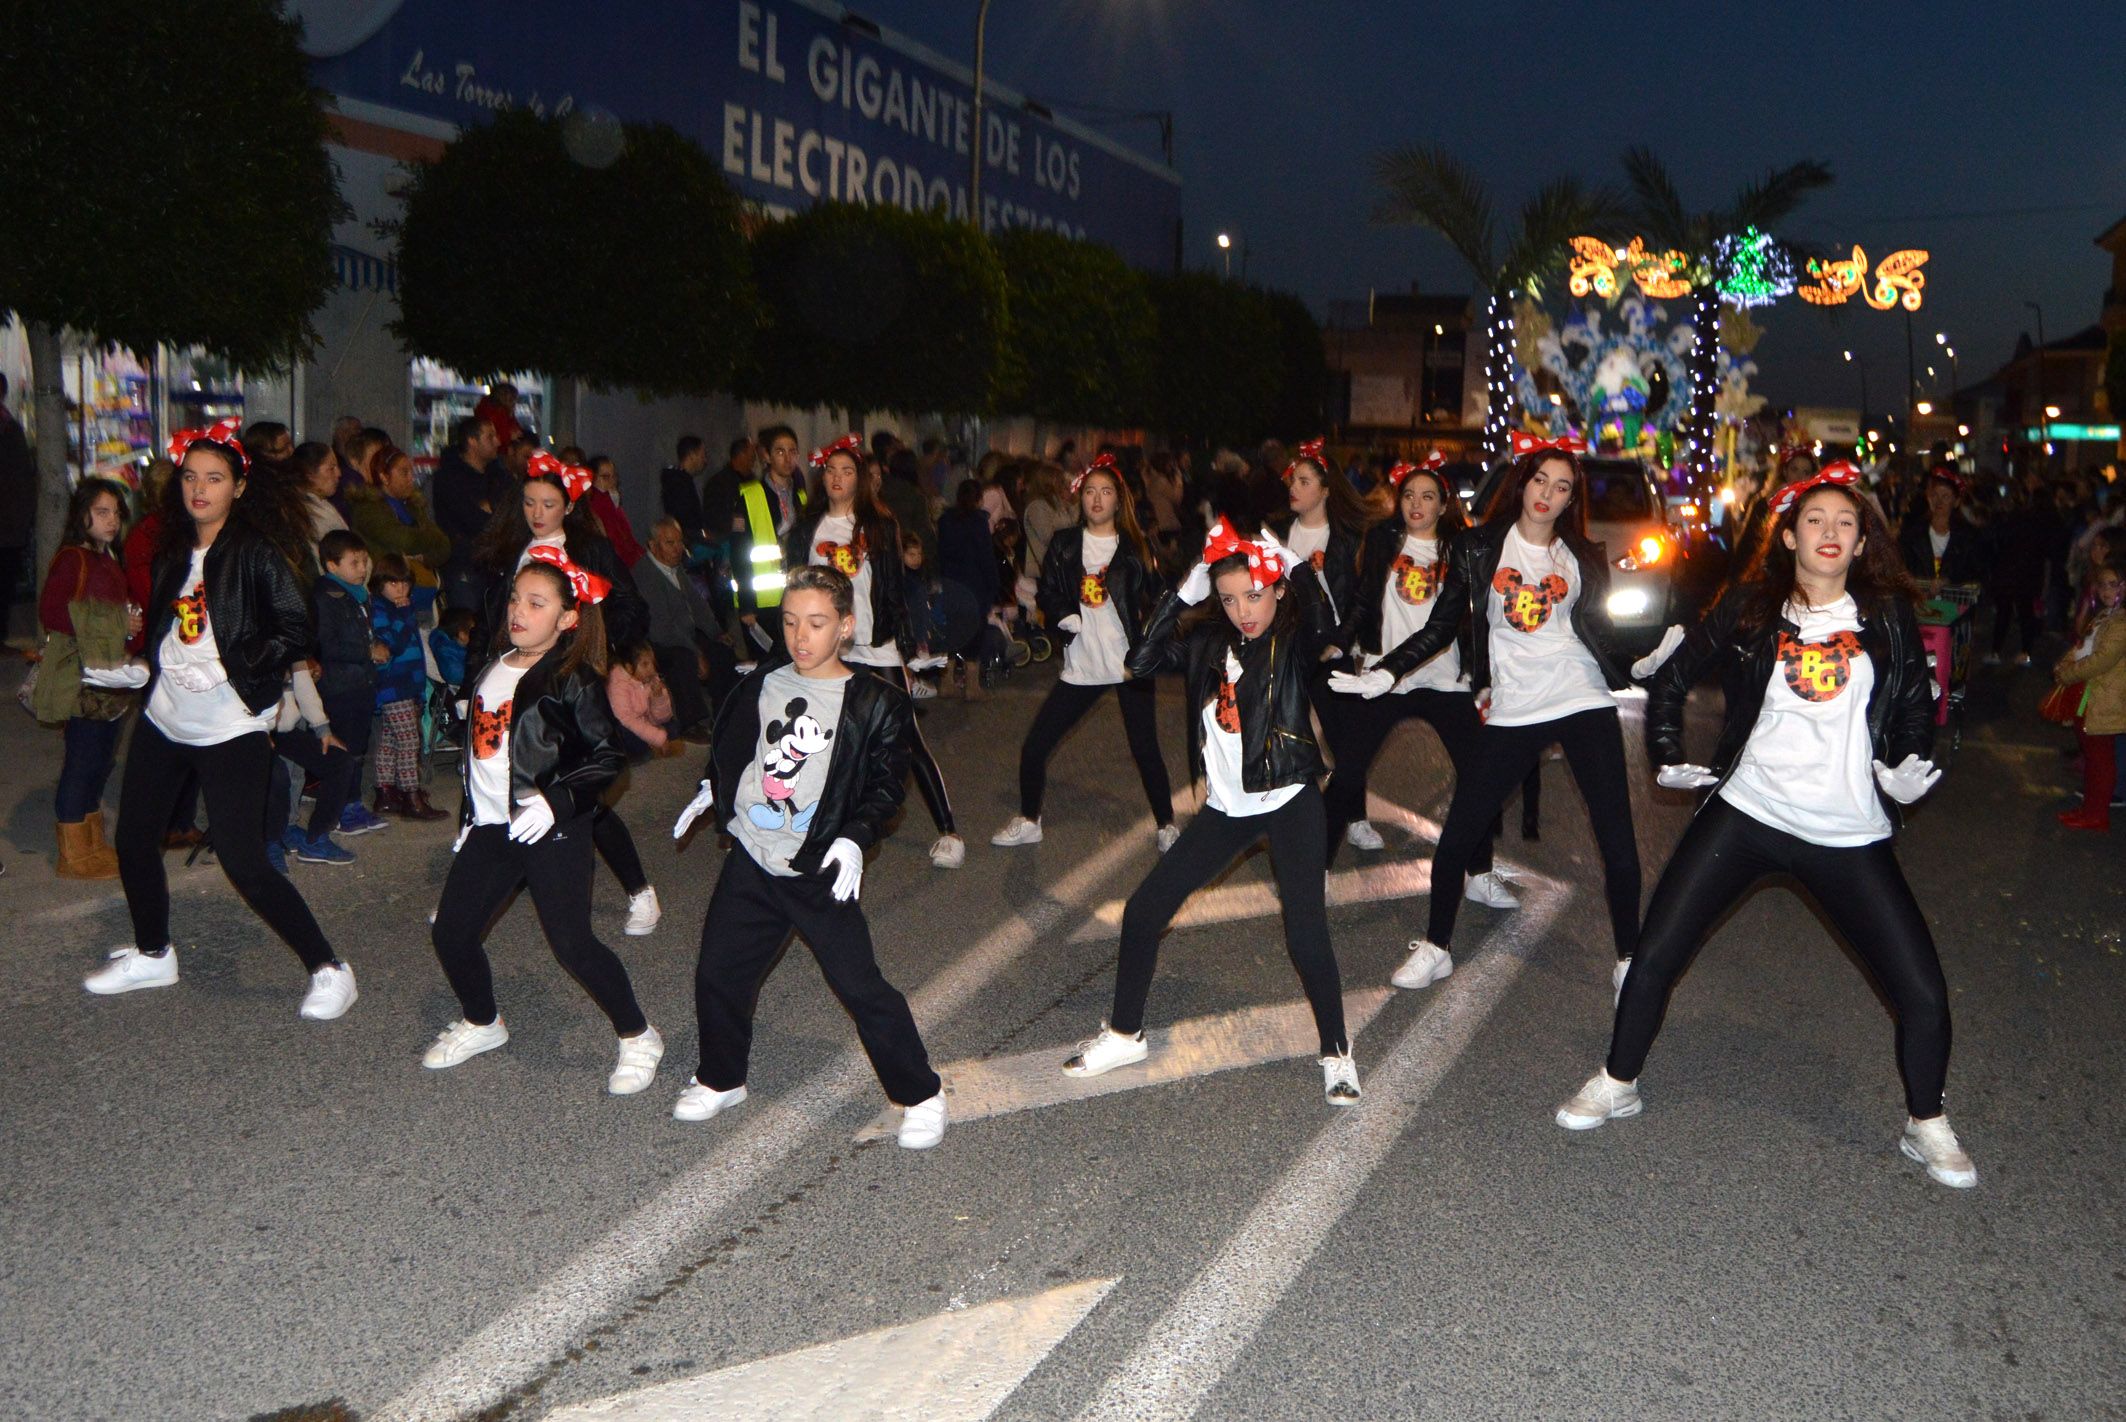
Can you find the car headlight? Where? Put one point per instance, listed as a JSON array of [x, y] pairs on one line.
[[1629, 602]]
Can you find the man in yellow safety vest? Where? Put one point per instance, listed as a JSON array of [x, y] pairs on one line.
[[764, 511]]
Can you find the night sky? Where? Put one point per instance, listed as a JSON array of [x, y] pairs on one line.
[[1993, 135]]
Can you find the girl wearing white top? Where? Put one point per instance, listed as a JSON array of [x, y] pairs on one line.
[[225, 622], [846, 528], [1098, 584], [1535, 591], [1829, 714]]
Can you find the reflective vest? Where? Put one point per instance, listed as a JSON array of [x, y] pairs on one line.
[[764, 563]]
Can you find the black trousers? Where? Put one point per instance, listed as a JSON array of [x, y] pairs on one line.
[[1064, 707], [334, 769], [1593, 743], [617, 848], [1208, 843], [233, 777], [1361, 727], [1721, 858], [486, 870], [929, 781], [751, 916]]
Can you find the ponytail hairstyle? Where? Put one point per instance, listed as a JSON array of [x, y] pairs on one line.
[[508, 535], [583, 646], [1506, 499], [1125, 511], [1876, 577]]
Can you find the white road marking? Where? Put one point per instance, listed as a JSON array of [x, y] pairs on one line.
[[1200, 1046], [79, 908], [1188, 1351], [954, 1367], [644, 1248], [1258, 899]]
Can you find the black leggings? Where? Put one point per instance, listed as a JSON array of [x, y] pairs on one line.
[[617, 848], [929, 783], [1361, 727], [487, 869], [233, 776], [1593, 743], [1065, 706], [1210, 842], [1721, 858], [751, 916]]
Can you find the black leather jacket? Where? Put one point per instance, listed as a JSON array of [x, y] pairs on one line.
[[1361, 630], [562, 743], [1472, 564], [1900, 707], [261, 619], [864, 779], [1132, 587], [627, 616], [1338, 571], [1276, 727], [882, 547]]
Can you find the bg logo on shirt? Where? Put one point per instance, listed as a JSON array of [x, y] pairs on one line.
[[845, 558], [191, 612], [1414, 581], [1527, 605], [1818, 671], [1228, 707], [1092, 589], [490, 729]]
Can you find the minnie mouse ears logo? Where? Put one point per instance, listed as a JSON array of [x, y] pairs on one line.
[[1525, 444], [1105, 461], [590, 588], [1265, 561], [1307, 452]]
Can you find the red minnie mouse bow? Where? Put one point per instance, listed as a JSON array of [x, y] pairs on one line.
[[1105, 461], [1839, 473], [1310, 450], [222, 431], [1265, 563], [1525, 443], [574, 479], [1432, 464], [590, 588], [848, 444]]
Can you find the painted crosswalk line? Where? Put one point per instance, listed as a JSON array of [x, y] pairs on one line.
[[955, 1367], [1201, 1046]]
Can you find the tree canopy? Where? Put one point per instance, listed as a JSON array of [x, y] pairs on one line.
[[1082, 330]]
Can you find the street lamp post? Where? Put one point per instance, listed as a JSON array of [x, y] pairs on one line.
[[1225, 247], [2044, 423], [1863, 365], [974, 177]]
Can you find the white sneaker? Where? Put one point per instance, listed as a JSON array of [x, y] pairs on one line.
[[1616, 980], [1603, 1098], [1098, 1055], [1362, 835], [1339, 1080], [921, 690], [130, 970], [637, 1066], [462, 1041], [1490, 889], [332, 992], [698, 1102], [950, 852], [1020, 831], [923, 1124], [1426, 965], [1165, 836], [643, 911], [1935, 1146]]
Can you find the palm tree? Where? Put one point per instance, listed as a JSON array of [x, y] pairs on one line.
[[1426, 186], [1668, 225]]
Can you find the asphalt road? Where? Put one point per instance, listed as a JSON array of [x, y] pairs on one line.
[[214, 1210]]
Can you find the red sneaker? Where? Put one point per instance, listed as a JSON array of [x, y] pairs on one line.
[[2086, 819]]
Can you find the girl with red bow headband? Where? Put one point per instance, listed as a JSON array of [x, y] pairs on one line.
[[1098, 583], [1325, 523], [844, 526], [1533, 591], [1937, 546], [1246, 678], [1829, 718], [541, 749]]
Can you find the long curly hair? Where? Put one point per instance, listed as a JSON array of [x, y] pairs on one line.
[[1877, 575], [271, 505], [1506, 499], [1347, 511], [507, 535]]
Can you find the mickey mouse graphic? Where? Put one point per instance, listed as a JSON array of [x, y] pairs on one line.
[[1527, 605], [845, 558], [1415, 582], [1818, 671], [1092, 589], [191, 610], [791, 742], [490, 729]]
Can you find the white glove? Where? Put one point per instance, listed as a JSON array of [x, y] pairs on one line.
[[1368, 684], [745, 668], [1685, 777], [847, 862], [128, 675], [932, 663], [534, 817], [463, 707], [1072, 624], [1647, 665], [459, 843], [1911, 779], [1197, 585], [703, 800]]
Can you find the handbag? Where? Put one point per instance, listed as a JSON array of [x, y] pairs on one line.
[[2063, 704]]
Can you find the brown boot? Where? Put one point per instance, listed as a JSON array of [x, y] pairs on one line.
[[418, 806], [80, 857], [391, 802]]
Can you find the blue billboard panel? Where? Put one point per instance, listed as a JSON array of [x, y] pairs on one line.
[[797, 104]]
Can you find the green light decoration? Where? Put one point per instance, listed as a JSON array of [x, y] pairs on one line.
[[1755, 270]]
